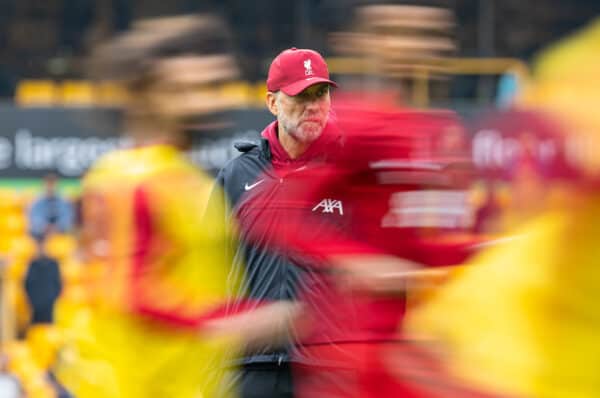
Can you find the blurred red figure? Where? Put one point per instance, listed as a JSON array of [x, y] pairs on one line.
[[391, 198]]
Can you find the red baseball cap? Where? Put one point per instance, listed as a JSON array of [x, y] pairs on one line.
[[295, 69]]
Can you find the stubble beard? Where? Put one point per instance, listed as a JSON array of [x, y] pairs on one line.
[[305, 133]]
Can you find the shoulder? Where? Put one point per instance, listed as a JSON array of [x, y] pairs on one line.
[[253, 161], [36, 207], [39, 201], [253, 157], [113, 159], [109, 164]]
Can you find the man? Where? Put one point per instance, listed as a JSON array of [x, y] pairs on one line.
[[298, 96], [50, 213], [43, 286], [308, 204]]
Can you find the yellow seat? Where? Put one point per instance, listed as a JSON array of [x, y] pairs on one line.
[[36, 93], [15, 223], [15, 296], [260, 94], [240, 93], [77, 93], [44, 341], [22, 248], [60, 246], [22, 364]]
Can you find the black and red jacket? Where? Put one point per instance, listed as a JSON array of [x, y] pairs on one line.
[[253, 185]]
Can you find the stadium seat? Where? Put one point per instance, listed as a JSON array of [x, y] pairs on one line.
[[77, 93], [44, 342], [239, 92], [38, 93], [259, 95], [22, 364], [60, 246]]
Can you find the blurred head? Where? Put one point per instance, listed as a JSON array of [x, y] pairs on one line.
[[298, 93], [50, 184], [184, 86], [386, 46], [171, 68]]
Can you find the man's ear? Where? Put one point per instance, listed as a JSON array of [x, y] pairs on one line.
[[272, 103]]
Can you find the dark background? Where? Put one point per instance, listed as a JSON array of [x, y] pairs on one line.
[[50, 38]]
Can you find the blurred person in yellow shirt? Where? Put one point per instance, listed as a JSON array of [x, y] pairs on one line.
[[153, 324], [522, 319]]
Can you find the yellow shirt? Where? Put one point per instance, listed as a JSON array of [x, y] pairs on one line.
[[523, 318], [163, 268]]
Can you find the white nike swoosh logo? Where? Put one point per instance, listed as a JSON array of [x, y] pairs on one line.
[[249, 187]]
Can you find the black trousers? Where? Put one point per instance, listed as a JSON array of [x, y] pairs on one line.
[[266, 380]]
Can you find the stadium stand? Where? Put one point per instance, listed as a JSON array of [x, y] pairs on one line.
[[38, 92], [31, 350]]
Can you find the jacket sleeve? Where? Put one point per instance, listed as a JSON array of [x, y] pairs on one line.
[[220, 199]]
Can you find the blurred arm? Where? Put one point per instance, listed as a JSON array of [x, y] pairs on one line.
[[268, 324]]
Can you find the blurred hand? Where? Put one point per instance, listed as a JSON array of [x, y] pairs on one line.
[[267, 325], [383, 274], [378, 274]]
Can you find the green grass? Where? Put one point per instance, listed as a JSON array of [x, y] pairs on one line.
[[67, 186]]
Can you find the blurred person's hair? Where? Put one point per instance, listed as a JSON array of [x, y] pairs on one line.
[[131, 57], [173, 56], [392, 45], [397, 35]]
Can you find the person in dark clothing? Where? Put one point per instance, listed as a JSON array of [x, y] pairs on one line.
[[298, 95], [42, 286]]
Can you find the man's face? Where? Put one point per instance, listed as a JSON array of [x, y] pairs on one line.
[[304, 116]]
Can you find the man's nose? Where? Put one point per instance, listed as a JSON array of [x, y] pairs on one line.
[[312, 103]]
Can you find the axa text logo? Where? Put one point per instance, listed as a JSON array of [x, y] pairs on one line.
[[329, 205]]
